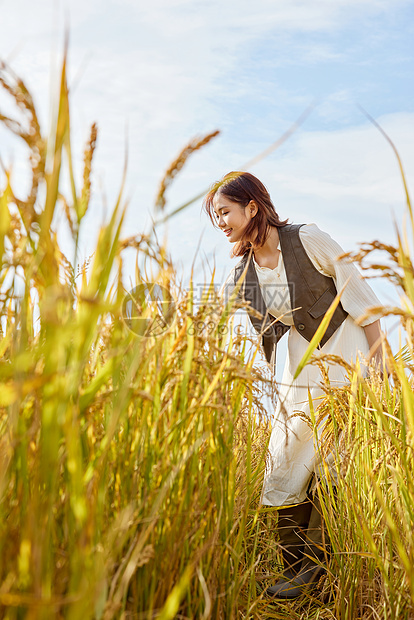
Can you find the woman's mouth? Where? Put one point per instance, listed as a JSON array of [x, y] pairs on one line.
[[228, 231]]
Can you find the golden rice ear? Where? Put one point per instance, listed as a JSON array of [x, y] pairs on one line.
[[83, 202], [194, 145], [28, 129], [106, 437]]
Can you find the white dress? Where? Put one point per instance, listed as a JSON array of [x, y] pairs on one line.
[[293, 456]]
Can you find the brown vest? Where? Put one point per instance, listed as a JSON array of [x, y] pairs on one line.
[[310, 292]]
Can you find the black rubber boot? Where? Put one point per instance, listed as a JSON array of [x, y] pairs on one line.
[[298, 584], [313, 562], [291, 526]]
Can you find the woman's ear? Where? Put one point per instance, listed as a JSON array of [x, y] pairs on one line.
[[253, 208]]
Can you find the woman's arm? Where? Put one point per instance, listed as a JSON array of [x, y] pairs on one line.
[[374, 338], [357, 297]]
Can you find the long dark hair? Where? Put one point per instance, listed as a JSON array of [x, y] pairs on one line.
[[242, 187]]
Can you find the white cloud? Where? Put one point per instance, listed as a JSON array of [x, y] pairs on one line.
[[168, 69], [347, 181], [352, 162], [299, 15]]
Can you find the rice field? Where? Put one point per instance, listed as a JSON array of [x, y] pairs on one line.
[[131, 465]]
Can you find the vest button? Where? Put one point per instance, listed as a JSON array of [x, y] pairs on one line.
[[301, 327]]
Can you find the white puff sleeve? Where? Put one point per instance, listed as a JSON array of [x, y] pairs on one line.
[[323, 251]]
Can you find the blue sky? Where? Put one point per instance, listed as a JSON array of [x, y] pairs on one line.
[[154, 74]]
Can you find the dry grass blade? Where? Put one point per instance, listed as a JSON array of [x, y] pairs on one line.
[[397, 155], [283, 138]]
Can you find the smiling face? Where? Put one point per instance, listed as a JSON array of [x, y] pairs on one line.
[[231, 217], [240, 205]]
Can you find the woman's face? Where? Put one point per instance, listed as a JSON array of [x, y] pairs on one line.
[[231, 217]]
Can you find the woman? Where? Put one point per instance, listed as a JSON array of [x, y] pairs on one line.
[[290, 275]]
